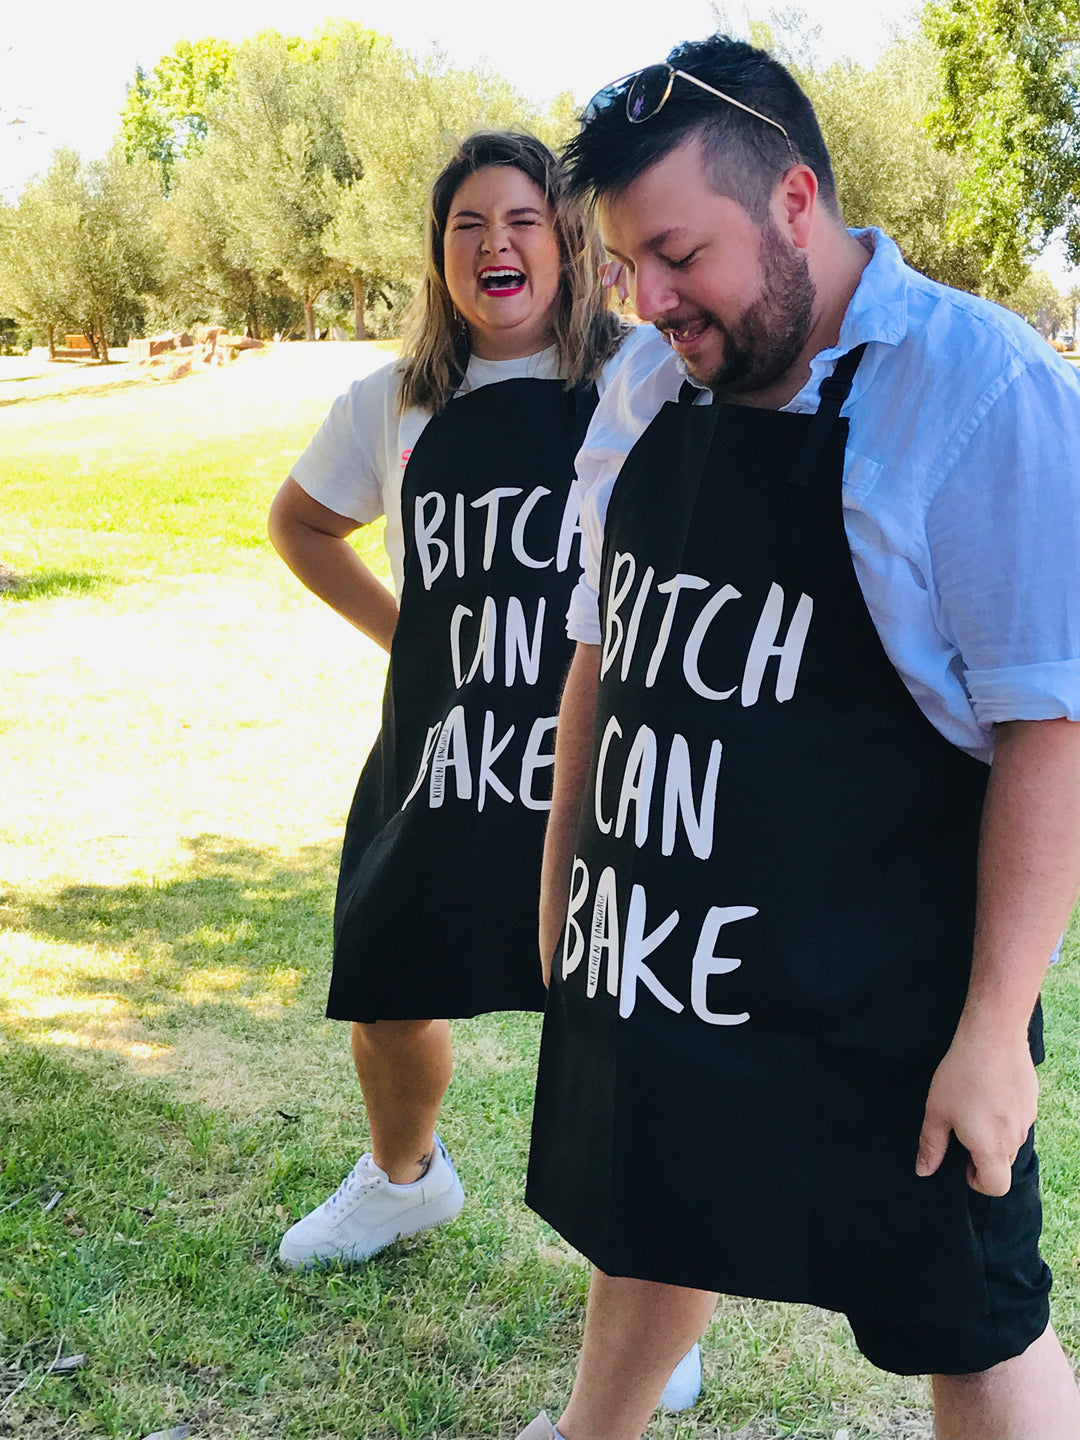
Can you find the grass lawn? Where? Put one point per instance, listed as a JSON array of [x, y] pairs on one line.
[[182, 729]]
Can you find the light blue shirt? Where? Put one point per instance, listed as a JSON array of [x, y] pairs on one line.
[[961, 494]]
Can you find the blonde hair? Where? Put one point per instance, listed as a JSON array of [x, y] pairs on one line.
[[436, 341]]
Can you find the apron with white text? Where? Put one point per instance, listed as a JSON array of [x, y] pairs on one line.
[[772, 906], [439, 883]]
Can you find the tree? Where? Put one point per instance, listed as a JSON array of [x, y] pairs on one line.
[[1072, 305], [1009, 81], [276, 139], [82, 246], [166, 114], [301, 168], [120, 244], [888, 171], [400, 128], [1038, 300], [37, 255], [213, 269]]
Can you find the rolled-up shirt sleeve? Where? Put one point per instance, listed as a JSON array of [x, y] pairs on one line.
[[1003, 533]]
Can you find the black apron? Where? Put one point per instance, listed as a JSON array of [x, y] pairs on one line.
[[439, 884], [773, 899]]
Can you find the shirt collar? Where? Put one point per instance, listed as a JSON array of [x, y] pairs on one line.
[[878, 311]]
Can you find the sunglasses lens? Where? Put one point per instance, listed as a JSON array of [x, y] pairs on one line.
[[601, 101], [647, 93]]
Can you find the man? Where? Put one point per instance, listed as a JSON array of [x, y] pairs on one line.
[[787, 1050]]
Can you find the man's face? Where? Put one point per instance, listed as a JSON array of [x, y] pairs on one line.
[[735, 300]]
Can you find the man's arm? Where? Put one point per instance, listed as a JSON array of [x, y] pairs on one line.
[[985, 1090], [573, 754], [311, 540]]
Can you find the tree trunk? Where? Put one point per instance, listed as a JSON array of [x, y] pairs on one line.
[[103, 341], [91, 334], [309, 316], [252, 330], [50, 331], [358, 308]]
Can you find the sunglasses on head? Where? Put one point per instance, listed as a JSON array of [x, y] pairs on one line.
[[648, 92]]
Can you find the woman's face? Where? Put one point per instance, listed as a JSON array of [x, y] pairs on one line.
[[501, 260]]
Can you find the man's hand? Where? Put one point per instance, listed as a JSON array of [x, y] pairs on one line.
[[985, 1092]]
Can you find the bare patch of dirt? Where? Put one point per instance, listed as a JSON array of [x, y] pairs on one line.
[[9, 579]]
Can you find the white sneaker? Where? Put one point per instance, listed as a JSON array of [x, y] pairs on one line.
[[367, 1212], [684, 1387], [539, 1429]]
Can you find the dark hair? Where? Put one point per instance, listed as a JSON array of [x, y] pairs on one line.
[[745, 157], [587, 332]]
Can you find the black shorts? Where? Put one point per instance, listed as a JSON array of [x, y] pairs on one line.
[[1017, 1309]]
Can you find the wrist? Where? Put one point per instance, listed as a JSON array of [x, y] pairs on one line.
[[994, 1025]]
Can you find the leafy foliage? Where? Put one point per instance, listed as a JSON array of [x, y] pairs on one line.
[[278, 148], [380, 216], [83, 246], [1009, 77], [37, 261], [292, 175], [166, 114], [888, 172], [1037, 299]]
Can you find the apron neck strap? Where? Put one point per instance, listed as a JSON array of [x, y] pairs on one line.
[[834, 391]]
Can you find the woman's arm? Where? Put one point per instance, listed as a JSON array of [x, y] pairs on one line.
[[311, 540], [573, 755]]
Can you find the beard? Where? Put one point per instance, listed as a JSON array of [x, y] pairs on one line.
[[766, 340]]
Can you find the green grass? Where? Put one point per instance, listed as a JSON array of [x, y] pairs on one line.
[[181, 733], [49, 583], [151, 480]]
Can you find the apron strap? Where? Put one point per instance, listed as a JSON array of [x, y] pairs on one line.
[[834, 391]]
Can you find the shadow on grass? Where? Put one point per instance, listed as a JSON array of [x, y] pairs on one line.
[[237, 929], [157, 1259], [49, 584], [141, 1231], [80, 392]]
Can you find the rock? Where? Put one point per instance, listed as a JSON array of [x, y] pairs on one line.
[[65, 1365]]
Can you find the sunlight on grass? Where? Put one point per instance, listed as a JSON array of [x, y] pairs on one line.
[[49, 584]]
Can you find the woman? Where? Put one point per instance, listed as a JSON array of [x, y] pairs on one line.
[[467, 446]]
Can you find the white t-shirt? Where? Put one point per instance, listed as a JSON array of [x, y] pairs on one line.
[[355, 461]]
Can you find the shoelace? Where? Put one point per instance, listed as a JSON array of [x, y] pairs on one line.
[[362, 1175]]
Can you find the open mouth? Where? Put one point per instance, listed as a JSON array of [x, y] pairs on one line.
[[503, 281], [687, 334]]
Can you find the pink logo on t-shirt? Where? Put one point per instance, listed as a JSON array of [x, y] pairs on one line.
[[405, 457]]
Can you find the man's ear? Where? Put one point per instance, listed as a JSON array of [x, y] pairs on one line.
[[794, 205]]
